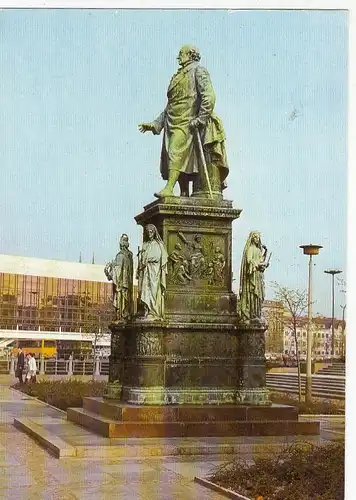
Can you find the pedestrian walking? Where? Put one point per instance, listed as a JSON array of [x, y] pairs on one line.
[[20, 365], [32, 369]]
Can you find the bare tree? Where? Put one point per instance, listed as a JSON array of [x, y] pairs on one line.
[[295, 303], [95, 325]]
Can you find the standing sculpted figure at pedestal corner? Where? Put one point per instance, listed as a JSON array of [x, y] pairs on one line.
[[152, 273], [252, 287], [193, 134], [120, 272]]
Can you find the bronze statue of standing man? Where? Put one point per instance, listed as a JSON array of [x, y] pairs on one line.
[[193, 147], [120, 272]]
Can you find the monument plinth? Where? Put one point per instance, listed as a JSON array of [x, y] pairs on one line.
[[197, 233], [191, 355]]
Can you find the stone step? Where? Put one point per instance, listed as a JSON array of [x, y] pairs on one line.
[[316, 376], [114, 429], [120, 412], [315, 389], [333, 368], [63, 438], [340, 386], [316, 392], [316, 382], [321, 386], [93, 421], [340, 373]]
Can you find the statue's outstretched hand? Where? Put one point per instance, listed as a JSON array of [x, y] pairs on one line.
[[146, 127]]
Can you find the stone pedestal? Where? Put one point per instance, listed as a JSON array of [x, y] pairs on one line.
[[252, 364], [203, 229], [115, 419], [174, 363], [191, 356], [197, 372]]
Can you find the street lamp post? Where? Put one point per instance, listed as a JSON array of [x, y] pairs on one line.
[[332, 272], [343, 331], [309, 250]]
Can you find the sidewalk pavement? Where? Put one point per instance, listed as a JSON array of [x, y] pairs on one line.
[[28, 472]]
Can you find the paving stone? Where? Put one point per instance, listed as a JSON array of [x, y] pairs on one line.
[[120, 492], [153, 477], [81, 476], [190, 470], [127, 467], [11, 478], [36, 493], [168, 491], [32, 474]]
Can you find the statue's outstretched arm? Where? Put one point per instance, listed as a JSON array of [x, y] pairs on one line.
[[158, 124], [155, 127]]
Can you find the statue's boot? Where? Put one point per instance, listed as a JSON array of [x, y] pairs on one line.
[[173, 176], [184, 185]]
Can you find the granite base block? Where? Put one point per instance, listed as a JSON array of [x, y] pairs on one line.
[[113, 420]]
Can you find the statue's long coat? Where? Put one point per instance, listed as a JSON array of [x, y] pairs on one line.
[[190, 95], [120, 272], [152, 282], [252, 288]]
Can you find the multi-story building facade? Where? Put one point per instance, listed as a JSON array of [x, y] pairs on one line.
[[64, 299], [273, 312], [280, 339], [322, 338]]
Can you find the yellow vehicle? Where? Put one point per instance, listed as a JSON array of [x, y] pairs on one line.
[[45, 348]]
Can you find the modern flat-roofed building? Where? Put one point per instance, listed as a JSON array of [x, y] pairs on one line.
[[42, 298]]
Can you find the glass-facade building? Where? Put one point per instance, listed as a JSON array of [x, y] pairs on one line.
[[29, 302]]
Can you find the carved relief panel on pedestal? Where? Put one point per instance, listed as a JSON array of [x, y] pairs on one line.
[[197, 259]]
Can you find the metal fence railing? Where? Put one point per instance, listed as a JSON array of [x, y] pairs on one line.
[[61, 366], [4, 366]]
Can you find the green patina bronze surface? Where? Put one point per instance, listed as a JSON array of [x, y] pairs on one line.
[[187, 344], [193, 147], [252, 287]]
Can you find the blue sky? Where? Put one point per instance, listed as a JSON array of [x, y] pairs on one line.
[[75, 84]]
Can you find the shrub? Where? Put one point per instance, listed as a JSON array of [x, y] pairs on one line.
[[63, 393], [299, 471], [317, 406]]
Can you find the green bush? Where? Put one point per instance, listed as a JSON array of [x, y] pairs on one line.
[[63, 393], [299, 471], [316, 407]]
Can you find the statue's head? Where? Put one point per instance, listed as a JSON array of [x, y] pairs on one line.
[[124, 241], [178, 246], [187, 54], [255, 238], [151, 231]]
